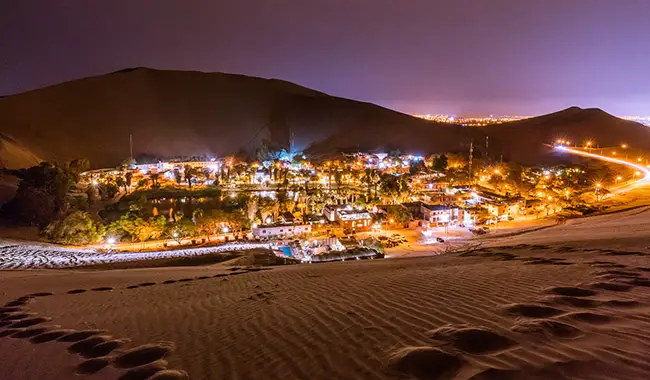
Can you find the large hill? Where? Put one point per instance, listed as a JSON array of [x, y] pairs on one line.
[[177, 113], [182, 113], [524, 141]]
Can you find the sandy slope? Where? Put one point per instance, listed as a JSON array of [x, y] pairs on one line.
[[529, 310]]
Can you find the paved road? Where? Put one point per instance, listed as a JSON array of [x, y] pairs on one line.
[[642, 180]]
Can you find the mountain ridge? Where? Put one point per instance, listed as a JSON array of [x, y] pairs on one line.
[[174, 113]]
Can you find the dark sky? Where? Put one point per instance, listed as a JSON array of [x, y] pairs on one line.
[[428, 56]]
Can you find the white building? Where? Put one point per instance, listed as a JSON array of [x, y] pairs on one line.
[[281, 230]]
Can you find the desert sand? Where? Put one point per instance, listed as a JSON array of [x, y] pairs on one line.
[[570, 301]]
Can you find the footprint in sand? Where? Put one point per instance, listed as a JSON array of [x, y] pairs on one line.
[[473, 340], [609, 265], [80, 335], [142, 355], [77, 291], [610, 252], [49, 336], [640, 282], [144, 371], [545, 261], [571, 301], [22, 301], [425, 363], [28, 333], [9, 309], [169, 282], [8, 332], [91, 366], [203, 277], [186, 280], [15, 316], [102, 289], [103, 349], [614, 287], [617, 275], [622, 304], [170, 374], [571, 291], [590, 318], [532, 311], [547, 327], [86, 344], [41, 294], [29, 322]]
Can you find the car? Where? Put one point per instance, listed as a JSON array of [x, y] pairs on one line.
[[440, 240]]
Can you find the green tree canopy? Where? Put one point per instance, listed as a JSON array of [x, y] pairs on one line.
[[76, 228]]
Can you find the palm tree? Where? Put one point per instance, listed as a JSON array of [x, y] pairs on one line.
[[189, 175]]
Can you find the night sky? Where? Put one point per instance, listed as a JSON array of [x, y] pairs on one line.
[[464, 57]]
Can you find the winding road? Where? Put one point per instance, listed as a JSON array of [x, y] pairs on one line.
[[642, 180]]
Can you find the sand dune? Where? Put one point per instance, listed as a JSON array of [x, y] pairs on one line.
[[512, 310]]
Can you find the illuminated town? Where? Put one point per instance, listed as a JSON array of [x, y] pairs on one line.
[[489, 120], [364, 204]]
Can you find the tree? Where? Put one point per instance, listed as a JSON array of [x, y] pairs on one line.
[[154, 179], [207, 173], [41, 194], [189, 173], [416, 167], [371, 178], [178, 176], [128, 179], [120, 182], [398, 214], [31, 206], [152, 228], [76, 228], [182, 229], [78, 166], [440, 163]]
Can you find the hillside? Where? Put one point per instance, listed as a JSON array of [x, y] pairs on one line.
[[15, 156], [176, 113], [523, 141]]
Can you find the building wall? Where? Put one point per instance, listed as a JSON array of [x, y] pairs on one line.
[[267, 231], [357, 225]]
